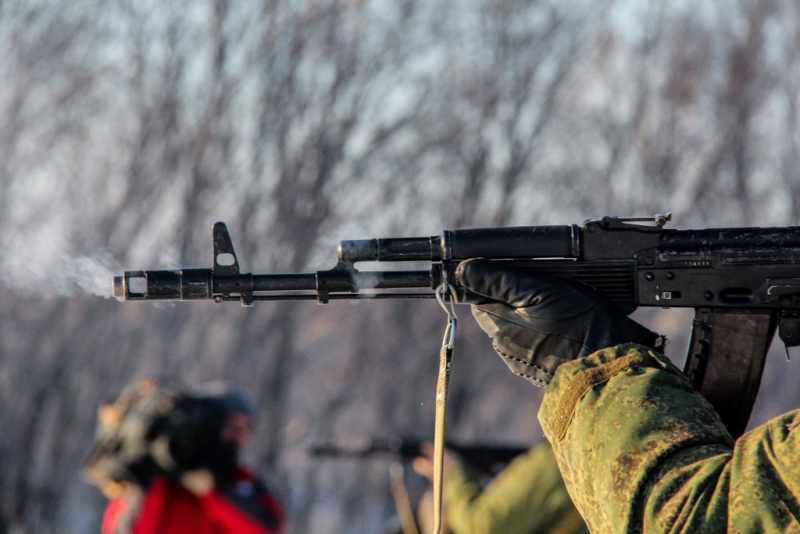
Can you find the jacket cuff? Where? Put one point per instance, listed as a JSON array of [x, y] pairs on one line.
[[574, 379]]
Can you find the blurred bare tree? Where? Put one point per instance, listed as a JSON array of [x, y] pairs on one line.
[[129, 128]]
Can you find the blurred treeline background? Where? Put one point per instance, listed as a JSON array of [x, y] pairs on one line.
[[128, 128]]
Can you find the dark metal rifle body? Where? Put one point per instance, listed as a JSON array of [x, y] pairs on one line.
[[630, 264], [484, 458], [752, 273]]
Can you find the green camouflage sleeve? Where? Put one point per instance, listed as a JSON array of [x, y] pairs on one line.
[[641, 451], [527, 497]]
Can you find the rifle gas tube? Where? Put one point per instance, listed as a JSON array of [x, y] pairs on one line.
[[743, 282]]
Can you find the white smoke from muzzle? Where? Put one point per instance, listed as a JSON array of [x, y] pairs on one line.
[[42, 265], [93, 275]]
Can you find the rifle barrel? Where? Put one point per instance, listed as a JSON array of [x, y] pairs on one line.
[[203, 284]]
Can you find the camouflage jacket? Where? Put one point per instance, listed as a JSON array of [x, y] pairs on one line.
[[641, 451], [527, 497]]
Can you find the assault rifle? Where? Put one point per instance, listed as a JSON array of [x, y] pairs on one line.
[[483, 458], [744, 283]]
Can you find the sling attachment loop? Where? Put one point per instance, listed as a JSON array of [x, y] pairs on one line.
[[450, 331], [445, 356]]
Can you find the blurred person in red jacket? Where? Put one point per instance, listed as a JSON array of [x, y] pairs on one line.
[[170, 464]]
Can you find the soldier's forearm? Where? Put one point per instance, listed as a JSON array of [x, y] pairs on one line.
[[635, 442]]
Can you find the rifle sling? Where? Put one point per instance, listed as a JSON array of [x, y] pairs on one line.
[[726, 360], [445, 355]]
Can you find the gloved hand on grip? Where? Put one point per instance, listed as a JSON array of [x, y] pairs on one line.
[[538, 322]]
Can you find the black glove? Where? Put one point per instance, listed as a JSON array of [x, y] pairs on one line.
[[538, 322]]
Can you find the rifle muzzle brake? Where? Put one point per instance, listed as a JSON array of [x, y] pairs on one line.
[[184, 284]]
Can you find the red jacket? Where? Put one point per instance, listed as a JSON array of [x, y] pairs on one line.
[[168, 508]]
